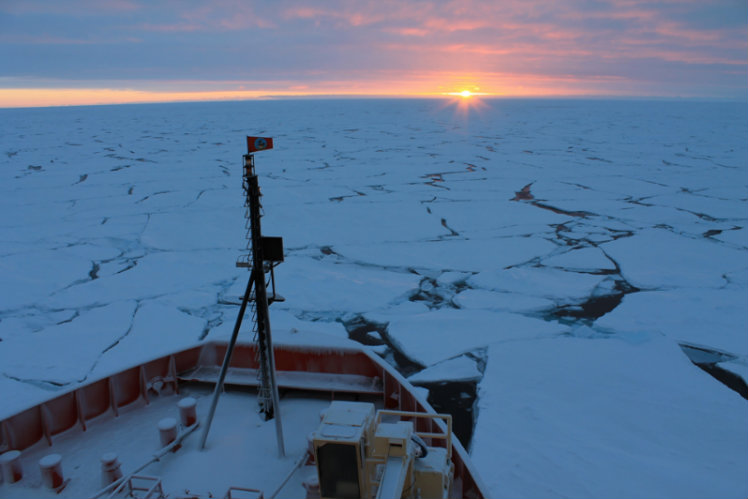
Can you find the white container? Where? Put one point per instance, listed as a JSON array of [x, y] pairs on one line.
[[187, 411], [110, 469], [167, 430], [10, 466], [311, 486], [51, 469]]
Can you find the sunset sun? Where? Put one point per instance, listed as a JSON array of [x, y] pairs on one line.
[[466, 101]]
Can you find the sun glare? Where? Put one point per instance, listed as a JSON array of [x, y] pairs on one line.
[[466, 101]]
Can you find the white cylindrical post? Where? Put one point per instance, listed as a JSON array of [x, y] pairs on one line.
[[110, 469], [10, 466], [51, 469], [167, 430], [311, 485], [187, 411]]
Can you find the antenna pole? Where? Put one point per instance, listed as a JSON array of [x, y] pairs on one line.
[[267, 395]]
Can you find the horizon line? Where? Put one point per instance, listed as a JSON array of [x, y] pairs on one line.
[[98, 97]]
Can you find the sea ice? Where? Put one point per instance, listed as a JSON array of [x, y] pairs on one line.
[[193, 229], [551, 284], [659, 259], [571, 417], [396, 211], [450, 254], [29, 277], [64, 354], [497, 300], [461, 368], [326, 285], [712, 318], [580, 260], [436, 335]]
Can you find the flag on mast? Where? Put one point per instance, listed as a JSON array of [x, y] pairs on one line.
[[255, 144]]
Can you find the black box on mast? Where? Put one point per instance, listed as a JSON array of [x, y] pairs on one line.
[[272, 249]]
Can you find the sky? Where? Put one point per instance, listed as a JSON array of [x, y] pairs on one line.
[[113, 51]]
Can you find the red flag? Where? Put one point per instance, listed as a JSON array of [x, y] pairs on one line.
[[255, 144]]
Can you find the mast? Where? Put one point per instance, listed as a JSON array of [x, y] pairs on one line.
[[268, 390], [264, 254]]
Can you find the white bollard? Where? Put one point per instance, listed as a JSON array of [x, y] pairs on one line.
[[311, 486], [187, 411], [10, 466], [110, 469], [167, 430], [51, 468]]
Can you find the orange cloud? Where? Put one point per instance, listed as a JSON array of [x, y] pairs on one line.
[[43, 97]]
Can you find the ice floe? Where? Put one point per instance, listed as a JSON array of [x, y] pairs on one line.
[[571, 417]]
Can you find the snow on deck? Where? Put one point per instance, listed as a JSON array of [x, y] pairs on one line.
[[327, 382], [241, 449]]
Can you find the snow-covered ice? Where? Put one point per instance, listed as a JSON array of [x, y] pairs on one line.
[[607, 418], [557, 251], [705, 317], [647, 262], [433, 336], [460, 368]]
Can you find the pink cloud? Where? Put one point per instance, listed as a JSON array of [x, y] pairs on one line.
[[355, 43], [450, 25], [345, 15], [408, 31]]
